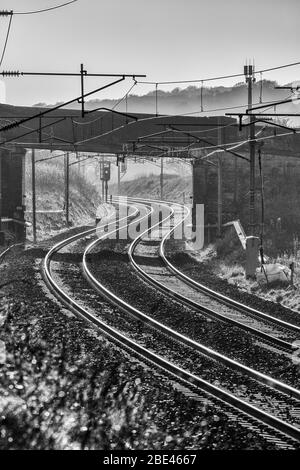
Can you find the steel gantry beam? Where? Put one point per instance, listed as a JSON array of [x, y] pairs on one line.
[[80, 99]]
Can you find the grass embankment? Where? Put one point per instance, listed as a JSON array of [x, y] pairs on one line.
[[226, 260], [50, 198], [149, 187]]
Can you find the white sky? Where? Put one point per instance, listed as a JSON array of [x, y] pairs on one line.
[[165, 39]]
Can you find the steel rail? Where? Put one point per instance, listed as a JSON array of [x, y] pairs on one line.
[[188, 378], [242, 308], [197, 306], [9, 248], [127, 308]]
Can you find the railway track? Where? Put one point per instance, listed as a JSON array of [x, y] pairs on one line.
[[8, 249], [189, 378], [171, 281], [289, 433]]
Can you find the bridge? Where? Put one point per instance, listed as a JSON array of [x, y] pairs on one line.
[[109, 131]]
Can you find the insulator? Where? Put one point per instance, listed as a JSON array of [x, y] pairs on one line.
[[11, 73], [6, 12], [9, 126]]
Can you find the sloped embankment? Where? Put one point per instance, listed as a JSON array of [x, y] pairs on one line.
[[50, 198], [149, 187]]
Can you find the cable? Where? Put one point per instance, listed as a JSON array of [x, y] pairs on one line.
[[238, 143], [44, 10], [122, 99], [113, 108], [166, 116], [278, 67], [220, 77], [261, 88], [6, 40], [52, 157]]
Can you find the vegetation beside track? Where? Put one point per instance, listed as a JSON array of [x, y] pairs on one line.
[[222, 265], [84, 197]]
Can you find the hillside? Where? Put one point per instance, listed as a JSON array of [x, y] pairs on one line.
[[149, 187], [84, 197], [188, 100]]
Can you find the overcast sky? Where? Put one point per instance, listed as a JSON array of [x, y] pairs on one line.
[[164, 39]]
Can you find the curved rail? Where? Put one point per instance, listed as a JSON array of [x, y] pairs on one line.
[[158, 361], [191, 303], [217, 295], [4, 253], [215, 391], [242, 308]]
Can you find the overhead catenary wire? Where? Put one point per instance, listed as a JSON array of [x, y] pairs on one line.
[[261, 89], [236, 144], [159, 117], [196, 112], [220, 77], [44, 9], [49, 110], [216, 109], [6, 40], [102, 115], [175, 115]]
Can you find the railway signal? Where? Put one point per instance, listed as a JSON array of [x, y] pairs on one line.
[[104, 177], [105, 171]]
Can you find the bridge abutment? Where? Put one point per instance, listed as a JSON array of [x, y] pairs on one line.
[[12, 194]]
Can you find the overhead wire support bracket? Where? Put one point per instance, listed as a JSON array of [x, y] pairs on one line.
[[83, 73], [272, 123], [67, 74], [81, 101], [277, 103], [47, 111], [200, 139], [265, 120], [113, 111], [291, 88]]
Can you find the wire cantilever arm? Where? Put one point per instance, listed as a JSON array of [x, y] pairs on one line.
[[47, 111], [200, 139], [113, 111], [274, 104]]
